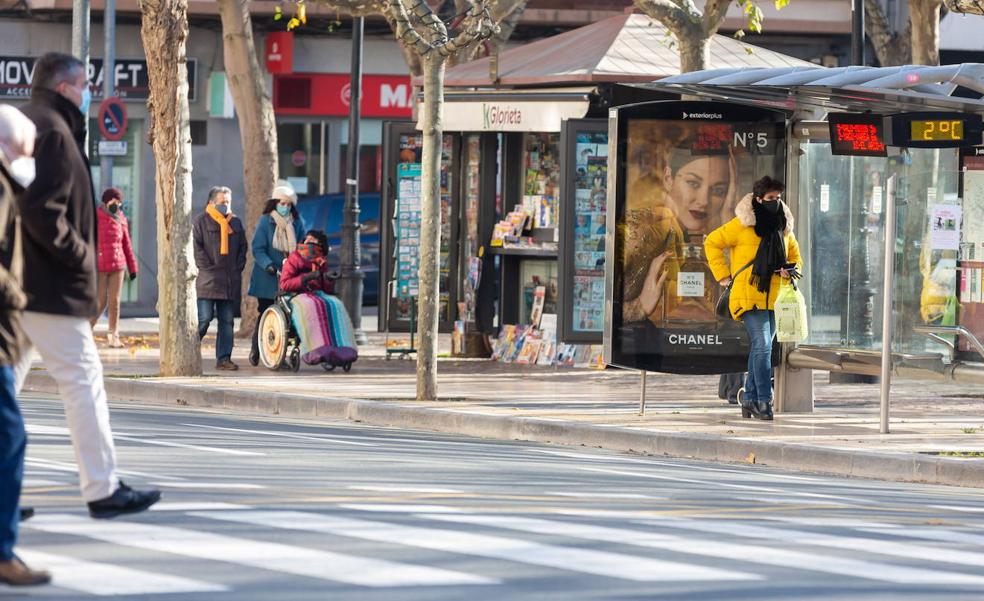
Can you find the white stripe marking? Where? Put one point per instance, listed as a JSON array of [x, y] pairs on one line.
[[713, 483], [602, 495], [283, 434], [408, 509], [322, 565], [61, 466], [420, 489], [104, 580], [32, 482], [206, 506], [803, 537], [180, 445], [210, 485], [947, 536], [765, 555], [958, 508], [613, 565]]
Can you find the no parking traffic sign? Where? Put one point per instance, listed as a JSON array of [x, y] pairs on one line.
[[112, 119]]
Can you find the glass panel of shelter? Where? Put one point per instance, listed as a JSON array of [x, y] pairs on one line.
[[842, 227]]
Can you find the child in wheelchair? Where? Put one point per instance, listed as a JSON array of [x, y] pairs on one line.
[[320, 320]]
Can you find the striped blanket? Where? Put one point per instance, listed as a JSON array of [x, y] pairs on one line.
[[321, 321]]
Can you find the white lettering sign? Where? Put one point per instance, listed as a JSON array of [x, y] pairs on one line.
[[704, 339], [690, 283], [824, 198], [395, 96]]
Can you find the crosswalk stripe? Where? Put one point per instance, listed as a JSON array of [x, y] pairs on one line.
[[193, 447], [105, 580], [284, 435], [601, 563], [757, 554], [959, 508], [946, 536], [193, 506], [323, 565], [803, 537]]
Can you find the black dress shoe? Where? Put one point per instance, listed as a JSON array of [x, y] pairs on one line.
[[124, 500], [26, 513], [254, 357]]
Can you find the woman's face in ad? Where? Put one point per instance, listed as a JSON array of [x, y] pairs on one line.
[[698, 191]]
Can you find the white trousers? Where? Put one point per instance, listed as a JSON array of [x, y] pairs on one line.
[[70, 355]]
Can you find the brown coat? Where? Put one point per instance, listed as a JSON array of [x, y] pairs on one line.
[[12, 299], [220, 277], [58, 213]]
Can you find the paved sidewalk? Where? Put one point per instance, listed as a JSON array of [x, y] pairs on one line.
[[937, 428]]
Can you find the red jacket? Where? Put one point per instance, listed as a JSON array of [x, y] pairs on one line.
[[294, 270], [115, 251]]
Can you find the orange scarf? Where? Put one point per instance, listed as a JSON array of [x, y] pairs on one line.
[[224, 228]]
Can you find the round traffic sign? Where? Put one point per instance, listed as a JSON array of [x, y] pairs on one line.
[[112, 119], [298, 158]]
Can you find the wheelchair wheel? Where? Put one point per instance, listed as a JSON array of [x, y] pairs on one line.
[[272, 337], [295, 360], [328, 367]]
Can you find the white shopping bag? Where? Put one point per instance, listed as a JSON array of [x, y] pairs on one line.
[[790, 311]]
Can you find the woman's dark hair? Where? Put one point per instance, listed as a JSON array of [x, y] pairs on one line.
[[271, 206], [766, 185], [322, 239]]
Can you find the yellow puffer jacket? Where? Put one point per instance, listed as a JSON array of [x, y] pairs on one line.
[[738, 237]]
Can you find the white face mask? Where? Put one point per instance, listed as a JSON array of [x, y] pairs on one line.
[[23, 170]]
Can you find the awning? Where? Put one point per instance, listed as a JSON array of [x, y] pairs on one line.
[[512, 110]]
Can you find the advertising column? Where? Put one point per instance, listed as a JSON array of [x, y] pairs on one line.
[[679, 171]]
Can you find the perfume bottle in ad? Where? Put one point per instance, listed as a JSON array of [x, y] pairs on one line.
[[694, 286]]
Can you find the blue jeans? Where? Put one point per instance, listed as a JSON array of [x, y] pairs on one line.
[[225, 311], [761, 328], [13, 442]]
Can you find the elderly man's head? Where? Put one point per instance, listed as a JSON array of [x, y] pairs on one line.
[[221, 198], [17, 134]]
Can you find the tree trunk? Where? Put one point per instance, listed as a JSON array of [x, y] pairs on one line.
[[891, 48], [925, 18], [695, 51], [257, 128], [164, 28], [428, 304]]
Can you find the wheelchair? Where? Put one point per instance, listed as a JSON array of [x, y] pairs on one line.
[[279, 342], [280, 346]]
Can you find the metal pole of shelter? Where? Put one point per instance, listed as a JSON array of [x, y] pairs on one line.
[[888, 288], [857, 32], [80, 44], [109, 82], [351, 279], [642, 392]]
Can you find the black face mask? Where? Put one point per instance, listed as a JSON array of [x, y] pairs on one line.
[[771, 206], [114, 208]]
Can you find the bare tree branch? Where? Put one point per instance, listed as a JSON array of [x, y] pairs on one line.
[[405, 31], [714, 14], [668, 13], [967, 7]]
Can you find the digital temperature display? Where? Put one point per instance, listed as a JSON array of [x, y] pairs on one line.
[[857, 134], [937, 130]]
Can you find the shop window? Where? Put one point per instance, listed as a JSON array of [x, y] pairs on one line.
[[199, 133]]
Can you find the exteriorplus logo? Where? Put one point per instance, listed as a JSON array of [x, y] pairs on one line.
[[687, 115], [495, 117]]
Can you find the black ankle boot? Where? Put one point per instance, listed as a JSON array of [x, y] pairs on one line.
[[746, 407], [763, 410]]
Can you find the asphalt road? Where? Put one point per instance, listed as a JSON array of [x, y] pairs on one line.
[[267, 509]]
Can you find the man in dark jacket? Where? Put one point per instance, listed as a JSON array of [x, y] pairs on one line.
[[220, 253], [59, 223], [17, 135]]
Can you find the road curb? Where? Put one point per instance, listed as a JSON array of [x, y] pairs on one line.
[[905, 467]]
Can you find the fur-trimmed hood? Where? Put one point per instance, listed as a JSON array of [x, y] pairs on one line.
[[746, 214]]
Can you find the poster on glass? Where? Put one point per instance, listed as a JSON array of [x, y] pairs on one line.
[[680, 170]]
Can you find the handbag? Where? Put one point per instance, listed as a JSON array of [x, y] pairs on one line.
[[791, 314], [723, 308]]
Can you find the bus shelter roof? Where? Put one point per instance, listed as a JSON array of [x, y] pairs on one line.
[[854, 89]]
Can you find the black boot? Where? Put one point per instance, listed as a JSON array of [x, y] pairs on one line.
[[763, 410], [747, 407]]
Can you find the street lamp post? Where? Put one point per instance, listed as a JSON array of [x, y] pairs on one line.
[[351, 279], [109, 83]]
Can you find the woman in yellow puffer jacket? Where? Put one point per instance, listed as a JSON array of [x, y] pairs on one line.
[[761, 247]]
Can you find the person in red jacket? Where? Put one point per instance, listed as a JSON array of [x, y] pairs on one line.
[[115, 255], [306, 269]]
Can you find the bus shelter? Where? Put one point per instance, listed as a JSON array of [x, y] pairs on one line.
[[884, 170]]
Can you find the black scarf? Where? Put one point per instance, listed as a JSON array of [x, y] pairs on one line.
[[771, 255]]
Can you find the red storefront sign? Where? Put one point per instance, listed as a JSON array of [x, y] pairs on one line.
[[327, 95], [280, 52]]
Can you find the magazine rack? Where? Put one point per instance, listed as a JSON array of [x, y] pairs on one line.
[[403, 352]]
